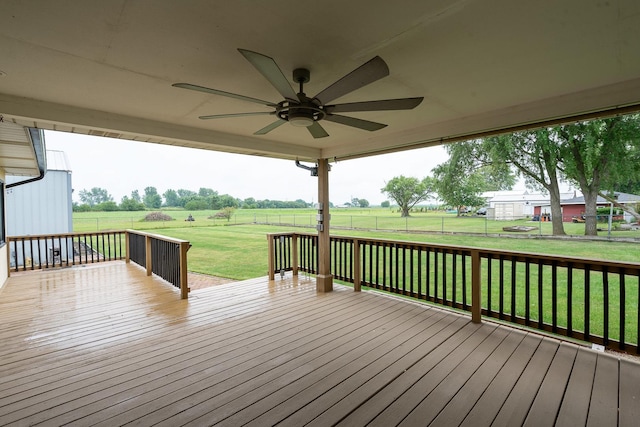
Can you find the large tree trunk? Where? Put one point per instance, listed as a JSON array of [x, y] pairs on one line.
[[556, 208], [590, 211], [405, 211]]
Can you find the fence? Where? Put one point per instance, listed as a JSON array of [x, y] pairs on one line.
[[590, 300]]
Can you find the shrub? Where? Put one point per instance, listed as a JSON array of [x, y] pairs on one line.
[[157, 216]]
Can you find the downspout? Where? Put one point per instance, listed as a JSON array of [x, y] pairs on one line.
[[37, 140]]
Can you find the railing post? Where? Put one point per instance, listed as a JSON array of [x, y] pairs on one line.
[[271, 257], [476, 300], [184, 285], [356, 266], [127, 256], [294, 254], [147, 245]]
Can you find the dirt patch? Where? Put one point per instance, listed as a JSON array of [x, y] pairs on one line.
[[201, 281]]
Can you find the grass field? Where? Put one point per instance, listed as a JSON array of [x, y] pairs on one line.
[[364, 219]]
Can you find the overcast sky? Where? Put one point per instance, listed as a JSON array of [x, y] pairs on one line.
[[123, 166]]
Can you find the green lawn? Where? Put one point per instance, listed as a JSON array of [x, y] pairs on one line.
[[240, 251]]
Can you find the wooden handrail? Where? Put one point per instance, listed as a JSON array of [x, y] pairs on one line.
[[174, 266]]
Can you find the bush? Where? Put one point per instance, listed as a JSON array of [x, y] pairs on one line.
[[157, 216], [196, 205]]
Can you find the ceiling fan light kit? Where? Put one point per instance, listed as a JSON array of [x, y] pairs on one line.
[[302, 111]]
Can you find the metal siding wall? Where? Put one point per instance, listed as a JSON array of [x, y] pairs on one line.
[[41, 207]]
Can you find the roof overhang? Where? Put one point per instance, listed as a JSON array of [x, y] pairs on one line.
[[106, 68], [22, 150]]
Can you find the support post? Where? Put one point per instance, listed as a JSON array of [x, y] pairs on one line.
[[357, 266], [324, 279], [271, 257], [147, 244], [184, 285], [476, 296], [127, 256], [294, 254]]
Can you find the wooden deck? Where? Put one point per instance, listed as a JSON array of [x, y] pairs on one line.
[[106, 345]]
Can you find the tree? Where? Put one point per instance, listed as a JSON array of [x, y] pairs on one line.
[[225, 213], [462, 179], [135, 196], [385, 204], [171, 198], [536, 156], [129, 204], [196, 204], [109, 206], [407, 192], [599, 154], [363, 203], [95, 196], [459, 191], [151, 198]]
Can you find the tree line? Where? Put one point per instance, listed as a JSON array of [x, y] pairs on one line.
[[99, 199], [600, 157]]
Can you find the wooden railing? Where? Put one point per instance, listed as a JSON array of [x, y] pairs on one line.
[[590, 300], [64, 250], [161, 255], [164, 256]]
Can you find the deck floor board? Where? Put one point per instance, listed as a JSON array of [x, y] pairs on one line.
[[107, 345]]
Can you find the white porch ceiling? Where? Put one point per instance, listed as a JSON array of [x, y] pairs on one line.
[[106, 67]]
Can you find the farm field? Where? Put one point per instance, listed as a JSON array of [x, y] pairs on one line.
[[375, 219], [237, 249]]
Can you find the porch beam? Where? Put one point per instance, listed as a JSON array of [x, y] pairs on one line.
[[324, 279]]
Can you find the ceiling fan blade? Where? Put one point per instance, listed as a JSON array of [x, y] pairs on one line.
[[222, 116], [317, 131], [222, 93], [381, 105], [353, 122], [270, 70], [367, 73], [270, 127]]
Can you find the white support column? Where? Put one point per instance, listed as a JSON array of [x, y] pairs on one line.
[[324, 279]]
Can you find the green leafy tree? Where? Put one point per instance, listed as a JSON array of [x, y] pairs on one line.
[[95, 196], [385, 204], [407, 192], [537, 157], [109, 206], [129, 204], [598, 155], [459, 191], [462, 179], [135, 196], [197, 204], [151, 198], [171, 198]]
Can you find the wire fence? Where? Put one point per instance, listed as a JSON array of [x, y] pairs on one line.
[[608, 226]]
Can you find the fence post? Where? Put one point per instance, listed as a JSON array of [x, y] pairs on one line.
[[271, 257], [357, 280], [476, 300], [294, 254], [184, 285], [147, 244]]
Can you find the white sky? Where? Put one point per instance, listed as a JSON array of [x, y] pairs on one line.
[[123, 166]]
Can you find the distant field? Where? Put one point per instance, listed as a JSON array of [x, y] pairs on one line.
[[363, 219]]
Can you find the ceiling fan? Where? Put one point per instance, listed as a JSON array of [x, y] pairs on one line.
[[300, 110]]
